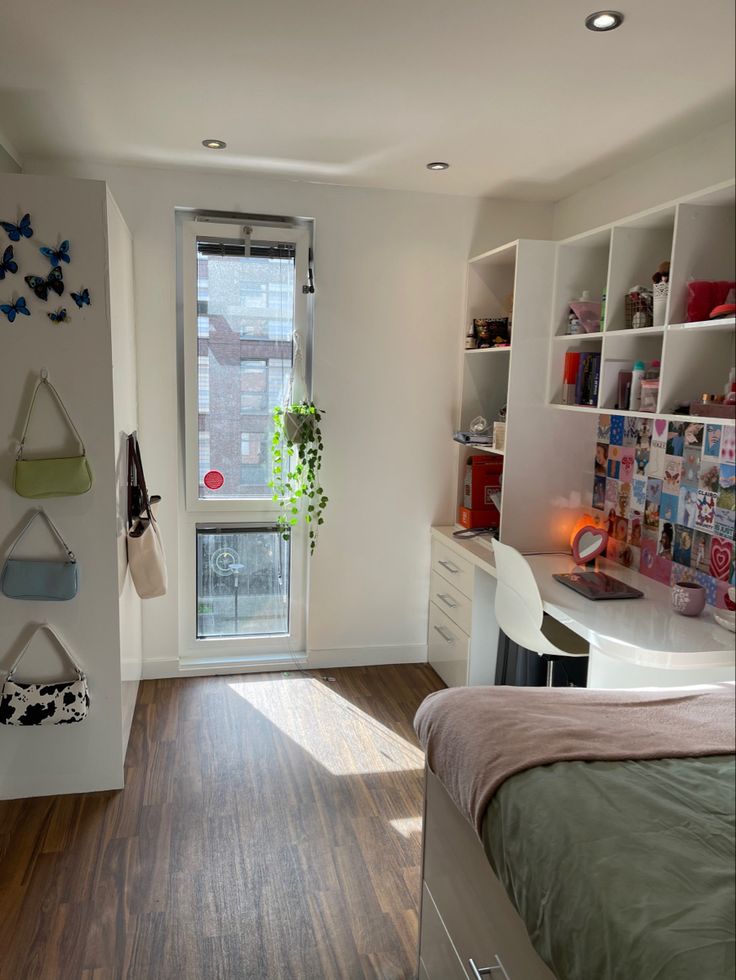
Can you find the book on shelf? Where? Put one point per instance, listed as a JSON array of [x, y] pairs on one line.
[[581, 378]]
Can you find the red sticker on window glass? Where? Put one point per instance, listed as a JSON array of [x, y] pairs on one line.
[[213, 480]]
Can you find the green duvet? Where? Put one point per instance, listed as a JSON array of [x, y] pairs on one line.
[[621, 870]]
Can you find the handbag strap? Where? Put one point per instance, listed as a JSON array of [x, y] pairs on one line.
[[42, 513], [65, 649], [44, 380], [136, 477]]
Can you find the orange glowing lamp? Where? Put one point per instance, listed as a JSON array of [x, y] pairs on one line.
[[587, 540]]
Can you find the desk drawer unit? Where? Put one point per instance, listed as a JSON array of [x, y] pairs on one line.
[[453, 568], [448, 648], [451, 601]]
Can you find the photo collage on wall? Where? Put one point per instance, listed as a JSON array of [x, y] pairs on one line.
[[666, 494]]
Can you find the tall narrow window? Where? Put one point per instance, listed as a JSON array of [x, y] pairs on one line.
[[245, 329], [247, 323]]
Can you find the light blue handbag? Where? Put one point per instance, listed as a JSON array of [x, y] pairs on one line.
[[40, 579]]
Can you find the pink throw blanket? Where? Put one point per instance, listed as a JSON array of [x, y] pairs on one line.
[[477, 737]]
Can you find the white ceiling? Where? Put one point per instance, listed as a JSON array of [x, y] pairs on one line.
[[515, 94]]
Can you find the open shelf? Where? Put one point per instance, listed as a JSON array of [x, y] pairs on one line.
[[582, 263], [637, 250], [707, 326], [487, 350], [655, 415], [571, 338], [484, 449]]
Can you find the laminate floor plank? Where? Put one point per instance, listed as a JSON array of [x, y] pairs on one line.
[[270, 827]]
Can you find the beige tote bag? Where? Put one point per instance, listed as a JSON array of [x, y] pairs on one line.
[[146, 557]]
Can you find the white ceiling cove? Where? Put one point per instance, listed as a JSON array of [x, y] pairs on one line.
[[517, 95]]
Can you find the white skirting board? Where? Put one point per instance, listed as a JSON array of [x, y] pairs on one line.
[[415, 653]]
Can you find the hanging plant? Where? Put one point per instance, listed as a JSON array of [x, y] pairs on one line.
[[296, 451]]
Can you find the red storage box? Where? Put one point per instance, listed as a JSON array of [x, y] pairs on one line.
[[488, 517], [482, 480]]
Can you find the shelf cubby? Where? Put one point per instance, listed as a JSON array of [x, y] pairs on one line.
[[704, 248], [582, 263], [590, 343], [637, 249], [694, 363], [490, 282], [622, 348]]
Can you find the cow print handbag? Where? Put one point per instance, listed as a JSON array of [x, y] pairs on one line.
[[56, 703]]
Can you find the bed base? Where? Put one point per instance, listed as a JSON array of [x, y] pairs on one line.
[[468, 927]]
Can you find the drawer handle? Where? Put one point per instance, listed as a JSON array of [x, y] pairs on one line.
[[487, 971], [452, 569], [448, 600], [445, 634]]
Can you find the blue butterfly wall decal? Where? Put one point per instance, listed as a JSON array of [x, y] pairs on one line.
[[41, 286], [11, 310], [59, 317], [56, 255], [21, 230], [8, 263], [81, 298]]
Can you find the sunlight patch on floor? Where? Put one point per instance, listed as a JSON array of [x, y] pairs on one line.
[[408, 826], [338, 735]]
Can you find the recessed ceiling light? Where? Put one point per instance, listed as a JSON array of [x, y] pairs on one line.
[[214, 144], [438, 165], [604, 20]]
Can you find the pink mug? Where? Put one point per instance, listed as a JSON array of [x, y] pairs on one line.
[[688, 598]]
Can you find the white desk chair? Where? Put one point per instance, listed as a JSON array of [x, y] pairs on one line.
[[521, 616]]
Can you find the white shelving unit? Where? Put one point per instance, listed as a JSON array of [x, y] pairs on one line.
[[698, 236]]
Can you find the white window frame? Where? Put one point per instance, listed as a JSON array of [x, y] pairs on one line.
[[247, 650], [191, 232]]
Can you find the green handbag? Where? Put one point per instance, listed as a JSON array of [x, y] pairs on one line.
[[66, 476]]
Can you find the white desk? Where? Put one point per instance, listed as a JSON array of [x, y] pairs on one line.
[[642, 633]]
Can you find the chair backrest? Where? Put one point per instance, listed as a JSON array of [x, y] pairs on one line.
[[519, 610]]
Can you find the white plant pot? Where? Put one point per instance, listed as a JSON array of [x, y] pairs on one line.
[[297, 427]]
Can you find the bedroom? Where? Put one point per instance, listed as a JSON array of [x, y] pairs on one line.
[[245, 795]]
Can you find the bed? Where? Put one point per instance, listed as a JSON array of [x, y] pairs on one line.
[[578, 835]]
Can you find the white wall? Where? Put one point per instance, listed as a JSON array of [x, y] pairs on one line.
[[390, 270], [680, 170], [78, 355]]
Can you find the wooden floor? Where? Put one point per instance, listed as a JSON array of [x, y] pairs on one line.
[[269, 829]]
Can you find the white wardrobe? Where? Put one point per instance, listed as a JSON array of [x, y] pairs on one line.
[[91, 360]]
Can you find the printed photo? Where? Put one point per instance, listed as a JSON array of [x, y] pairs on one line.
[[688, 506], [623, 504], [721, 553], [712, 441], [727, 487], [599, 492], [635, 527], [651, 509], [666, 540], [706, 510], [683, 545], [700, 556], [621, 529], [601, 456], [672, 472], [638, 493], [728, 444], [669, 507], [644, 431], [604, 428], [642, 459], [676, 439], [693, 435], [617, 430], [690, 468], [631, 430], [657, 449], [611, 495], [709, 478]]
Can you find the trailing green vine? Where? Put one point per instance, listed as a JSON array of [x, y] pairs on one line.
[[296, 451]]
